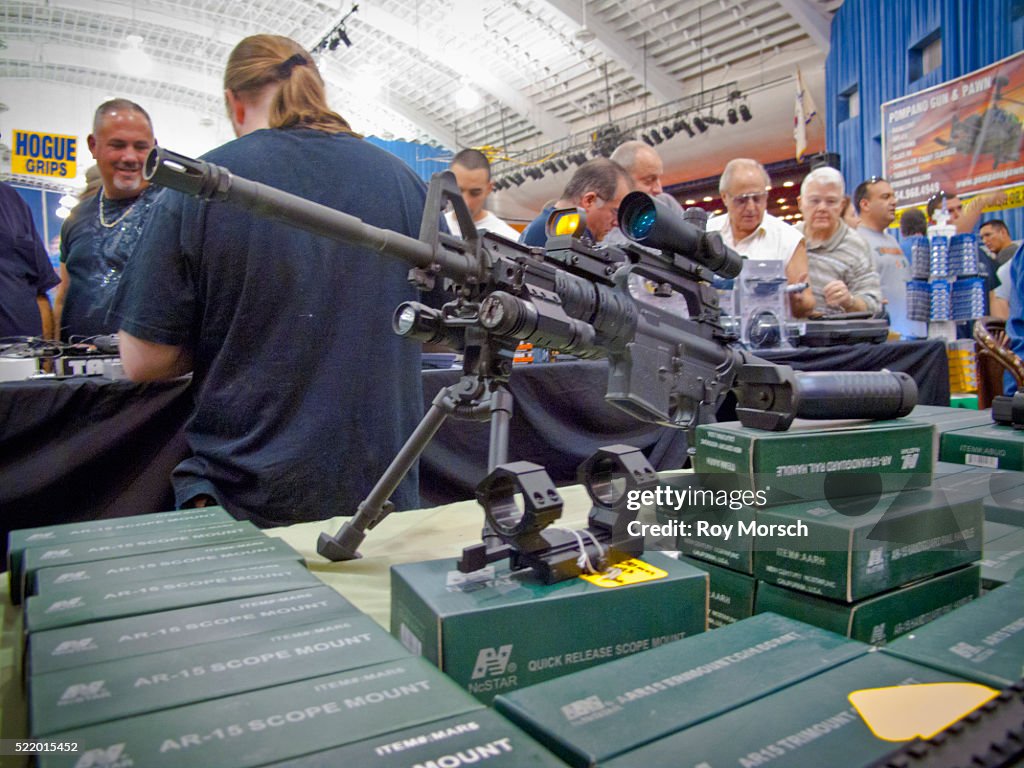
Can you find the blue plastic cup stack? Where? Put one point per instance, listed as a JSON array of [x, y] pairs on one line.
[[920, 257], [969, 298], [963, 254], [941, 300], [919, 300], [939, 262]]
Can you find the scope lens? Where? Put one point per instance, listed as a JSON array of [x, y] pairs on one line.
[[641, 223]]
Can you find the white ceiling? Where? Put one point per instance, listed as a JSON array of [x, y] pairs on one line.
[[544, 69]]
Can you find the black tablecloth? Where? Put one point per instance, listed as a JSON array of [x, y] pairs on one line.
[[559, 418], [89, 448]]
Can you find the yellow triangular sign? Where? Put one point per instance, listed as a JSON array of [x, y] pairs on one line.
[[902, 712]]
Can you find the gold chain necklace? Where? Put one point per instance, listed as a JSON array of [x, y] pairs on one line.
[[109, 225]]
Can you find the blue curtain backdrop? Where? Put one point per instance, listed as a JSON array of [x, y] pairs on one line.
[[424, 159], [872, 51]]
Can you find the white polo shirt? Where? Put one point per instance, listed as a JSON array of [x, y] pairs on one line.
[[490, 222], [773, 239]]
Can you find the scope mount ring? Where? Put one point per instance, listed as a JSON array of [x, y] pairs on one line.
[[541, 503]]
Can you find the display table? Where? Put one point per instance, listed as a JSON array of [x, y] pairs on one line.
[[88, 448], [403, 537]]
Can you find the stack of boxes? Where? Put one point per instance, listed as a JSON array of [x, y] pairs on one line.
[[189, 638], [963, 366], [847, 532], [766, 690]]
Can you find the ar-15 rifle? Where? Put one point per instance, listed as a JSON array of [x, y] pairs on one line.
[[573, 297]]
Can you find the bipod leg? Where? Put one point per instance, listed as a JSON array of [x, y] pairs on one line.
[[376, 506]]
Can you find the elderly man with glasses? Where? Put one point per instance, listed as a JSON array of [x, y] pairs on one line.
[[751, 231], [841, 266]]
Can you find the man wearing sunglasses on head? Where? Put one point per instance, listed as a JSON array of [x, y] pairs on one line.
[[842, 268], [751, 231]]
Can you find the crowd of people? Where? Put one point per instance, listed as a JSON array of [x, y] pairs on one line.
[[303, 392]]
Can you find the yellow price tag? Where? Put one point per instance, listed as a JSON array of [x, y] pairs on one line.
[[625, 573], [903, 712]]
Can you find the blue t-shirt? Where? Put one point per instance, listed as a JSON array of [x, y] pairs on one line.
[[94, 255], [304, 393], [536, 231], [1015, 323], [25, 271]]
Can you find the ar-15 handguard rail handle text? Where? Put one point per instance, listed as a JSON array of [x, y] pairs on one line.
[[572, 297]]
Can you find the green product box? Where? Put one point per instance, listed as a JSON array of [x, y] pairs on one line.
[[1003, 557], [63, 608], [94, 643], [472, 625], [273, 724], [478, 737], [808, 725], [23, 538], [730, 596], [869, 547], [1001, 491], [881, 618], [994, 446], [815, 460], [113, 690], [691, 508], [591, 716], [144, 543], [177, 562], [983, 641]]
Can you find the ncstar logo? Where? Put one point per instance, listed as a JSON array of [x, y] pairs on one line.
[[74, 646], [65, 605], [574, 710], [492, 662], [53, 554], [80, 692], [111, 757], [910, 457], [64, 578]]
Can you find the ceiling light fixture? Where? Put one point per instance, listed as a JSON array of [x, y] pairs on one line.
[[467, 98], [337, 35], [133, 58]]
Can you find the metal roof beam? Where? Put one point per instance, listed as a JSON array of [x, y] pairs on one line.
[[405, 33], [660, 83], [810, 19]]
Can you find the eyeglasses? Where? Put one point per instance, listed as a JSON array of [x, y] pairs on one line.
[[828, 202], [614, 208], [758, 198]]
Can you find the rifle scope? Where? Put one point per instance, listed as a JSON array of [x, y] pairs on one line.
[[650, 222]]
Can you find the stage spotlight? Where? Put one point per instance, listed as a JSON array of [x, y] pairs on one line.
[[733, 117], [701, 125], [745, 113], [646, 139], [682, 125], [343, 36], [655, 136], [562, 165], [712, 120], [334, 43], [667, 132], [518, 179]]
